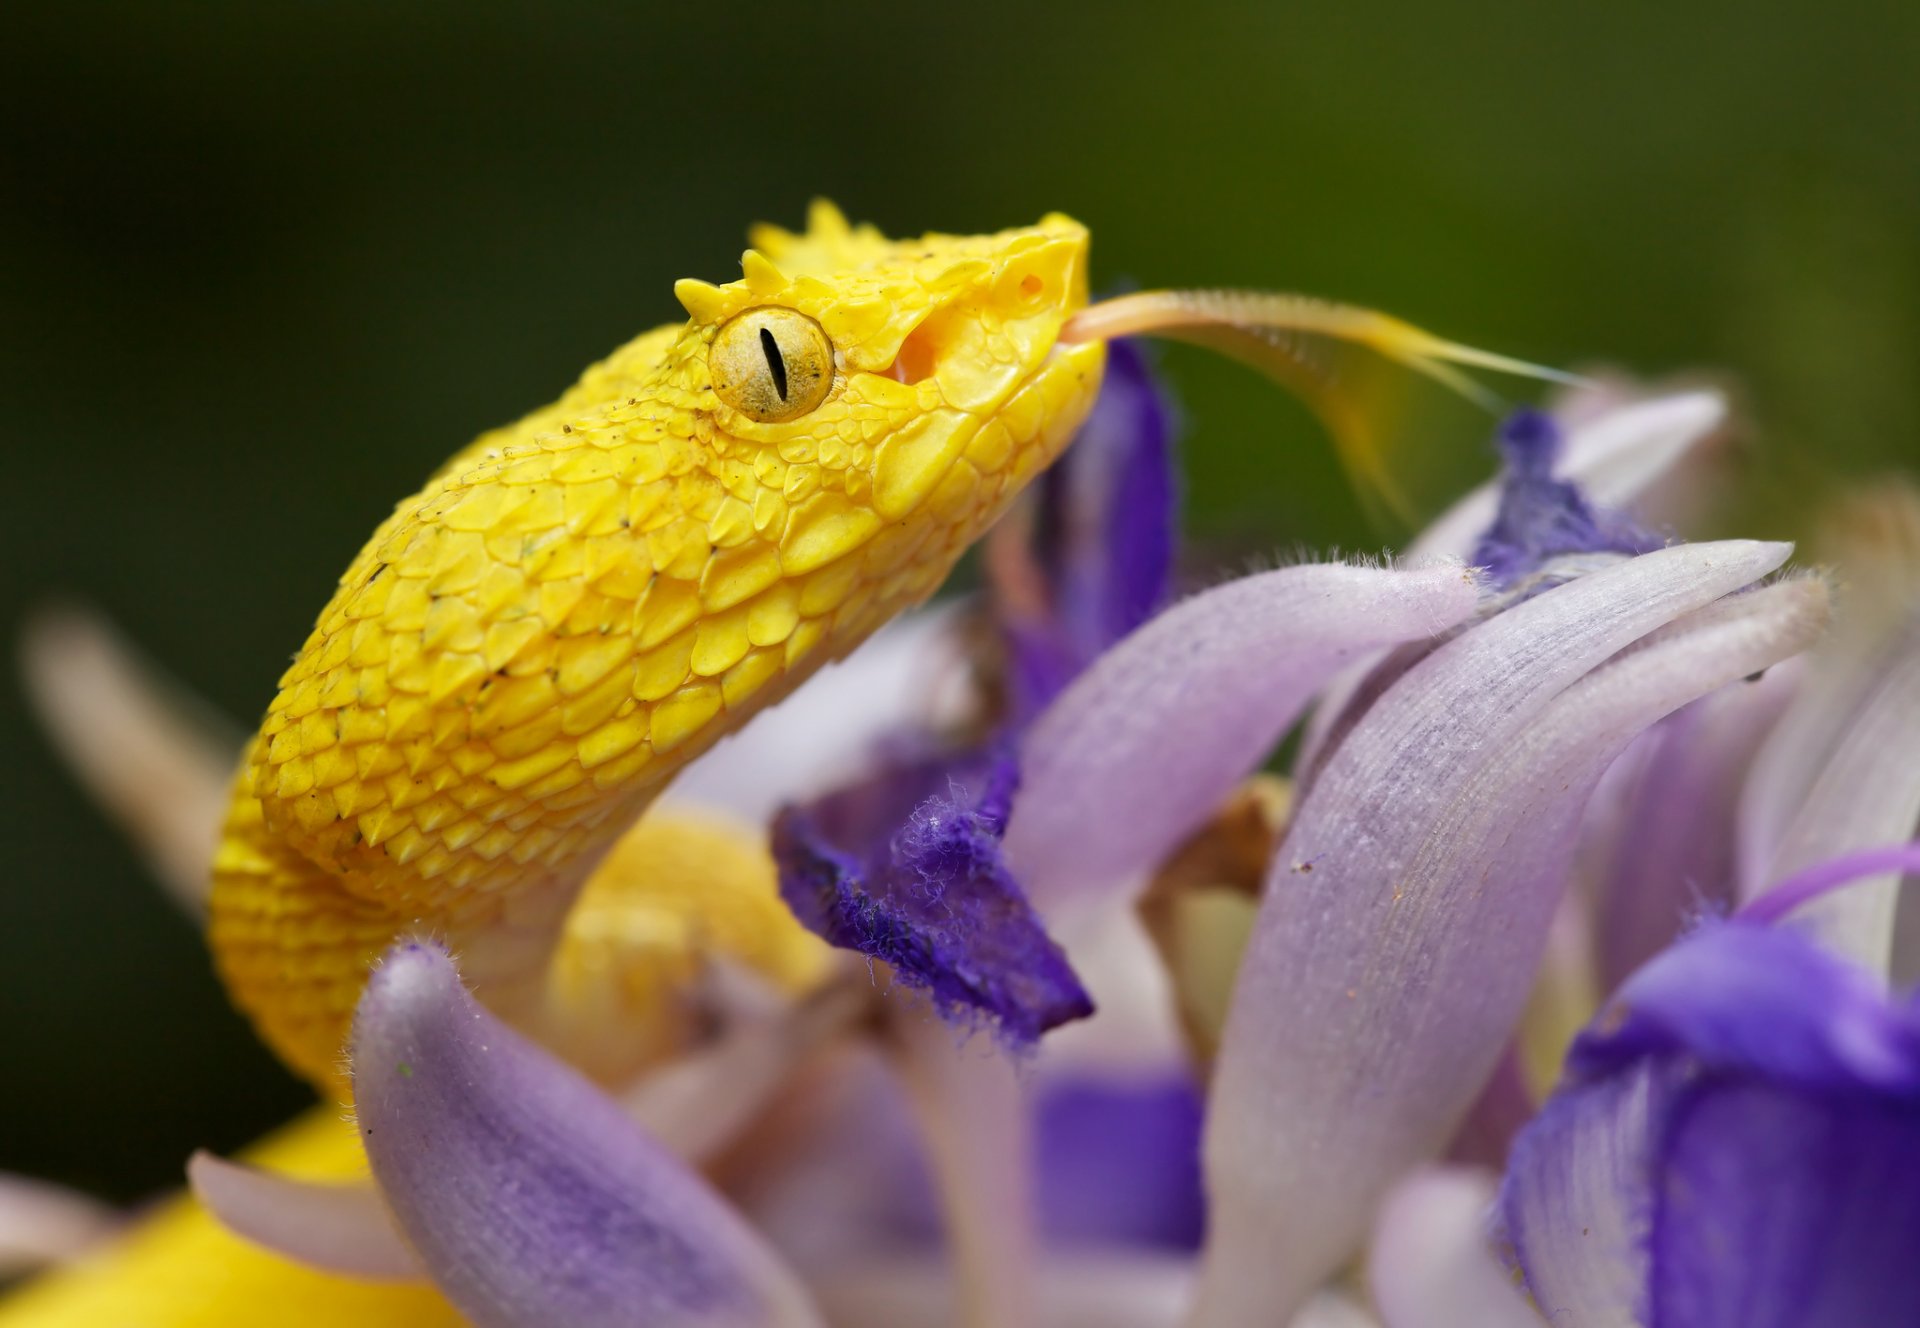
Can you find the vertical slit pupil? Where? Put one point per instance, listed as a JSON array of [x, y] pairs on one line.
[[776, 362]]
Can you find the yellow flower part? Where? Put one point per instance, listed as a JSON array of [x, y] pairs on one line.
[[181, 1269], [680, 891]]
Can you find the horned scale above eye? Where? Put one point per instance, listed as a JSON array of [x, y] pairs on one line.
[[771, 364]]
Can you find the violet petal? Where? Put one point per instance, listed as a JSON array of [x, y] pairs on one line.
[[529, 1196], [1105, 534], [1742, 996], [1541, 516], [1737, 1143], [1145, 745], [1410, 901], [1781, 1210], [1119, 1161], [933, 899], [1615, 457]]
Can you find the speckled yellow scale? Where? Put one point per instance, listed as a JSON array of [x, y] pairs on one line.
[[578, 604]]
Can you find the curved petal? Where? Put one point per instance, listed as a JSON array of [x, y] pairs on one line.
[[1669, 847], [342, 1228], [1095, 559], [1837, 775], [1740, 996], [1737, 1143], [1577, 1201], [1431, 1265], [44, 1224], [1145, 744], [529, 1196], [1615, 455], [156, 757], [1409, 903]]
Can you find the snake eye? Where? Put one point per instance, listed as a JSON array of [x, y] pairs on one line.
[[771, 364]]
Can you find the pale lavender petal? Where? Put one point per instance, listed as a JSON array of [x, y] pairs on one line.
[[341, 1227], [156, 757], [529, 1196], [1431, 1265], [1080, 1292], [43, 1224], [705, 1099], [1838, 774], [1148, 742], [1670, 845], [1615, 456], [1410, 901]]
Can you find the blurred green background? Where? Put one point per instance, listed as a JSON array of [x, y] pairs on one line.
[[265, 265]]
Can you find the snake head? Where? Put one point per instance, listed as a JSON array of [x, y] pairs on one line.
[[905, 383]]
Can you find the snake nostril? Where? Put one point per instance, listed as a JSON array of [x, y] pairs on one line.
[[1031, 285], [918, 357]]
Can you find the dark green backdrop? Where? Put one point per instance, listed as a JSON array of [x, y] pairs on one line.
[[264, 265]]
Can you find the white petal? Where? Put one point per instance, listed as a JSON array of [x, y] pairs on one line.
[[1431, 1264], [155, 757], [1410, 901], [44, 1224], [343, 1228], [1138, 1291], [972, 1113], [1838, 774]]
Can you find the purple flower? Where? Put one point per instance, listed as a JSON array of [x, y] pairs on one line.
[[1495, 762], [1736, 1142]]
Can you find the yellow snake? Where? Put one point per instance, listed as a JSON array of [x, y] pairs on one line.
[[578, 604]]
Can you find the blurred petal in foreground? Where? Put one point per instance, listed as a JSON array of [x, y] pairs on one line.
[[529, 1196]]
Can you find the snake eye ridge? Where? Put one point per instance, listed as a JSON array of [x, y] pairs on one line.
[[771, 364]]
